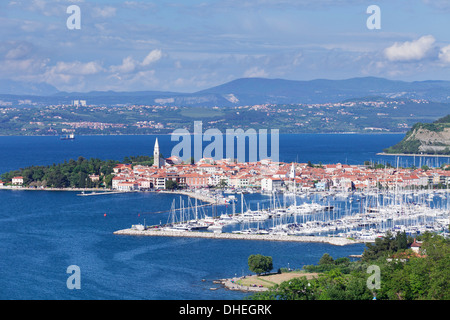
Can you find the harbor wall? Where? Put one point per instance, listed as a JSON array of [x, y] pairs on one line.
[[235, 236]]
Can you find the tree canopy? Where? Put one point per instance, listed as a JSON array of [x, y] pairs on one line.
[[404, 274], [73, 173], [258, 263]]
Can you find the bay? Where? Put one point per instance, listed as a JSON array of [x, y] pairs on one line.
[[22, 151], [42, 232]]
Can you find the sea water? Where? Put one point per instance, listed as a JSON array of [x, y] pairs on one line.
[[42, 233]]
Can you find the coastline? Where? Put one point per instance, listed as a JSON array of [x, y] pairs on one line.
[[170, 133], [193, 195], [253, 283], [61, 189]]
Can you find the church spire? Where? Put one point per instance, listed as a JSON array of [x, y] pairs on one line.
[[156, 155]]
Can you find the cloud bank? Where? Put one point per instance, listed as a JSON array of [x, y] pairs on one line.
[[410, 50]]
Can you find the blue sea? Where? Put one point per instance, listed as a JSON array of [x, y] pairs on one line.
[[43, 233]]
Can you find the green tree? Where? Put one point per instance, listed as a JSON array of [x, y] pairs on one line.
[[258, 263], [404, 276], [402, 241], [326, 259], [171, 185], [107, 180], [57, 180]]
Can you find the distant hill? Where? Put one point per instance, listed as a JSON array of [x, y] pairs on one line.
[[425, 138], [322, 91], [9, 87], [244, 91]]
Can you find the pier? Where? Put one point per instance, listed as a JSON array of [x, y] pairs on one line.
[[83, 194], [205, 197], [337, 241]]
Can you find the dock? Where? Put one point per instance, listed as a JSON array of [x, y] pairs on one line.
[[101, 193], [337, 241], [199, 196]]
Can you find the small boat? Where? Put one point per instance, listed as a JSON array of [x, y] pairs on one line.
[[177, 228], [215, 227], [139, 227]]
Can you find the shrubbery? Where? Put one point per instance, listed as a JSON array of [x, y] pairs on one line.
[[404, 275]]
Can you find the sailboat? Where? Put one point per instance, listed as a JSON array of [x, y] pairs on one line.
[[176, 225]]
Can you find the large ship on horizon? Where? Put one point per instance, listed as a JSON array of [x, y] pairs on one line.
[[67, 137]]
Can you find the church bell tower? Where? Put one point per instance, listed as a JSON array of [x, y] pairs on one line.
[[156, 155]]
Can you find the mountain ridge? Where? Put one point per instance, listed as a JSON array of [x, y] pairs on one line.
[[251, 91]]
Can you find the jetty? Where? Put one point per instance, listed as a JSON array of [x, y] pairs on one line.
[[205, 196], [155, 232], [83, 194]]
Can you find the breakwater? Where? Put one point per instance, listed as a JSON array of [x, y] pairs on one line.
[[337, 241], [205, 197]]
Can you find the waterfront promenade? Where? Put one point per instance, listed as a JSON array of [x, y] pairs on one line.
[[337, 241]]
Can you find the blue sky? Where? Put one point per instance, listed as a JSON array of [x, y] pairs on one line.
[[188, 46]]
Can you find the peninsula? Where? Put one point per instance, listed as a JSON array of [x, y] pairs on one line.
[[425, 138]]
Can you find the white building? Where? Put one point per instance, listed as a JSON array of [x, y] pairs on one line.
[[127, 186], [18, 181], [77, 103], [216, 179], [271, 184]]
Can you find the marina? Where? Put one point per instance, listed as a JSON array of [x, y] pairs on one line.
[[319, 217], [68, 229]]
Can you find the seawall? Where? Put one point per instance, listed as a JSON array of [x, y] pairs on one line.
[[235, 236]]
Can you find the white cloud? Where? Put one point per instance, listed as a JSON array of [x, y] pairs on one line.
[[255, 72], [128, 65], [139, 5], [77, 68], [19, 51], [153, 56], [69, 75], [410, 50], [178, 64], [444, 54], [439, 4], [31, 26], [105, 12], [15, 68]]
